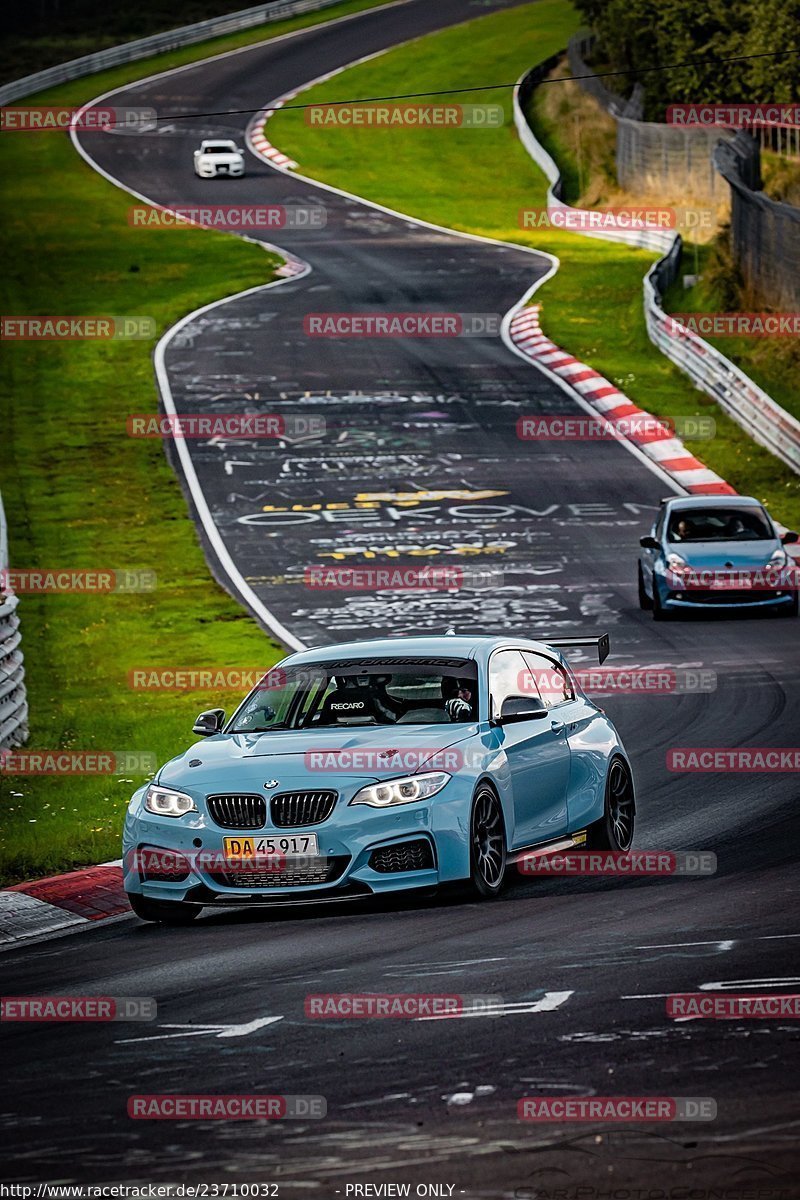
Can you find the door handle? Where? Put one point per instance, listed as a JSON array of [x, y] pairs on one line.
[[557, 726]]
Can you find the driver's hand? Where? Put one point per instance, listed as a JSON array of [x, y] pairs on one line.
[[458, 709]]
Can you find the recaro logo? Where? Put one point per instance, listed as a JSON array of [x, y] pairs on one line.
[[350, 704]]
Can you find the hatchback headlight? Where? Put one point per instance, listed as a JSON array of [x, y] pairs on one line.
[[401, 791], [677, 565], [166, 802], [779, 559]]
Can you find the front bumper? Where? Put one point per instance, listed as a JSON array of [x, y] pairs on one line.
[[206, 171], [725, 600], [362, 851], [676, 598]]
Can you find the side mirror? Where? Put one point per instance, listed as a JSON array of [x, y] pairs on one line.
[[522, 708], [648, 542], [209, 722], [789, 538]]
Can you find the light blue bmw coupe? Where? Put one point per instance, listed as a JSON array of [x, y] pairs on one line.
[[380, 766]]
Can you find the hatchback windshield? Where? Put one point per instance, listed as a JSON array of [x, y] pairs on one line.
[[366, 692], [719, 525]]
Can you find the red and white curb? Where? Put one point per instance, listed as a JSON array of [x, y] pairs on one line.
[[62, 902], [258, 141], [626, 418]]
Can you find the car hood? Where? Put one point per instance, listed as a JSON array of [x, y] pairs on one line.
[[312, 757], [712, 555]]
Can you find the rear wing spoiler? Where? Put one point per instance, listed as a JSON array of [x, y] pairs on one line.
[[566, 643]]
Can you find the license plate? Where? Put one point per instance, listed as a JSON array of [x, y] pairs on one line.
[[295, 845], [733, 582]]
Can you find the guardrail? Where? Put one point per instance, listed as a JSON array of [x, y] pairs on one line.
[[171, 39], [13, 697], [746, 403]]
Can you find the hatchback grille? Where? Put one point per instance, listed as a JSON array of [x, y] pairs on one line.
[[238, 812], [309, 871], [289, 810], [726, 595], [403, 856]]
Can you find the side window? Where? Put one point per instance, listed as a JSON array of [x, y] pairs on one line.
[[507, 676], [549, 679], [658, 528]]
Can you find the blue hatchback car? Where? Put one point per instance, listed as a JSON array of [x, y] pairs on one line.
[[380, 766], [716, 552]]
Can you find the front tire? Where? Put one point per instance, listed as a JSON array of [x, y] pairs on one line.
[[644, 600], [167, 912], [659, 612], [487, 844], [614, 830], [790, 610]]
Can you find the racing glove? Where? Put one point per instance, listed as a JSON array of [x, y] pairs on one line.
[[458, 709]]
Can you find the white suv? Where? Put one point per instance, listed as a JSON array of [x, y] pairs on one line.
[[218, 158]]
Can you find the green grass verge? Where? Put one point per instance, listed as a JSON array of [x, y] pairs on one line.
[[81, 90], [479, 180], [79, 493]]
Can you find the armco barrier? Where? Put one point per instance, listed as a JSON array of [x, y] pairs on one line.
[[746, 403], [13, 697], [158, 43]]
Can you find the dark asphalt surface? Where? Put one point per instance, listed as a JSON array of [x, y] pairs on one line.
[[434, 1102]]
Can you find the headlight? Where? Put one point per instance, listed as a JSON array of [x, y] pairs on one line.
[[779, 559], [166, 802], [401, 791], [677, 564]]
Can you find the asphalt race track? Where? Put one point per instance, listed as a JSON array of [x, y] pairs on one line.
[[582, 966]]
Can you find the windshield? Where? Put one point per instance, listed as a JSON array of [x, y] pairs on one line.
[[719, 525], [220, 148], [366, 692]]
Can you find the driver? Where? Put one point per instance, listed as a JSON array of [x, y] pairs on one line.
[[460, 706]]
